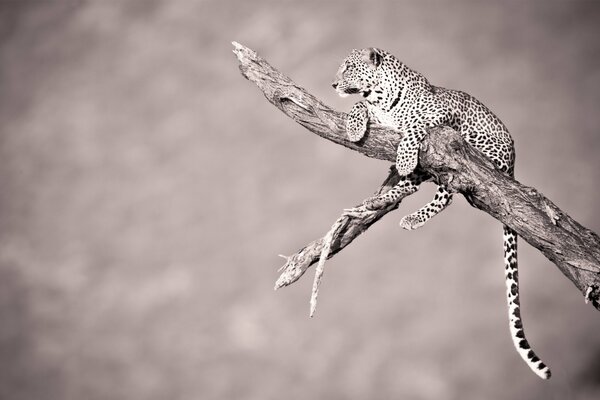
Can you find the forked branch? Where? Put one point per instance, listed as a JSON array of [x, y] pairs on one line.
[[574, 249]]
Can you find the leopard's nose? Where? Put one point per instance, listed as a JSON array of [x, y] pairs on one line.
[[334, 85]]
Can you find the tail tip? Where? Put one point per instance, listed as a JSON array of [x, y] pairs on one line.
[[544, 372], [548, 374]]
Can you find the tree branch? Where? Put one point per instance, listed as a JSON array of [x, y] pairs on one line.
[[575, 250]]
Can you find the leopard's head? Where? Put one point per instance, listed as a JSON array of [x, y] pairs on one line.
[[358, 72]]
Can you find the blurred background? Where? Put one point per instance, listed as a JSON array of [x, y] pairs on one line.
[[146, 189]]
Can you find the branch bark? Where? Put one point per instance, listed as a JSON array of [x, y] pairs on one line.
[[574, 249]]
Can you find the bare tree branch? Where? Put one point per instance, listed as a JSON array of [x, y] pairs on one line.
[[575, 250]]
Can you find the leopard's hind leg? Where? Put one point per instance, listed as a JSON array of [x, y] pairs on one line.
[[406, 185], [441, 200]]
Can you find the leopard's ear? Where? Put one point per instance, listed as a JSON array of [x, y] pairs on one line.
[[375, 56]]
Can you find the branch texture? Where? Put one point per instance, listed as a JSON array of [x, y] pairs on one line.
[[575, 250]]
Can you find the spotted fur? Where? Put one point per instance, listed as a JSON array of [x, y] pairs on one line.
[[401, 98]]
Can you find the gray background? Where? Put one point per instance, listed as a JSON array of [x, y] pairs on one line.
[[146, 189]]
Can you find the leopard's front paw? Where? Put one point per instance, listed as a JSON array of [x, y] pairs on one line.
[[357, 212], [376, 203], [411, 222], [407, 158], [356, 124], [407, 164]]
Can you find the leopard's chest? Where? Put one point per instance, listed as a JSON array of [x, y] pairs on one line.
[[397, 117], [384, 117]]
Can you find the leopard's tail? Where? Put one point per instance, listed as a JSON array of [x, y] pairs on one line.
[[514, 312]]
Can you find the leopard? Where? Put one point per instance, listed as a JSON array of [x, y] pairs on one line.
[[398, 97]]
